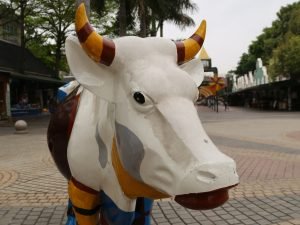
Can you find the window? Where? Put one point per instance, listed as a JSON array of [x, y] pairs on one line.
[[10, 32], [9, 29]]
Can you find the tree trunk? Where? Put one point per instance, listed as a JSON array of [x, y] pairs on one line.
[[153, 27], [122, 18], [59, 43], [142, 17], [161, 26], [22, 28], [57, 59]]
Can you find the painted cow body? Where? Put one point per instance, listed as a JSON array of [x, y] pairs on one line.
[[136, 131]]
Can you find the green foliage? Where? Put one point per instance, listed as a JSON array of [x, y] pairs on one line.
[[294, 23], [174, 11], [246, 64], [46, 24], [41, 51], [149, 15], [103, 16], [43, 28], [51, 27], [286, 59], [274, 45]]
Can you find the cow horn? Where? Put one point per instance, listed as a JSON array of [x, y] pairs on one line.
[[98, 48], [187, 49]]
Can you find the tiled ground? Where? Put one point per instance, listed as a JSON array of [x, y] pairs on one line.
[[32, 192]]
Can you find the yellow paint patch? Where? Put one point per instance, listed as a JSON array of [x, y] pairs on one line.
[[82, 199], [191, 48], [80, 17], [201, 31], [94, 46], [131, 187]]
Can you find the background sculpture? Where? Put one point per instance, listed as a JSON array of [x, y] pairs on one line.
[[130, 134]]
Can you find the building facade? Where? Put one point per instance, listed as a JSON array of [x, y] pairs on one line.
[[256, 90], [26, 83]]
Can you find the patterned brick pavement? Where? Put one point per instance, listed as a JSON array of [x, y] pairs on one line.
[[32, 192]]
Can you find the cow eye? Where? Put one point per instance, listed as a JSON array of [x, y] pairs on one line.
[[139, 97], [141, 101]]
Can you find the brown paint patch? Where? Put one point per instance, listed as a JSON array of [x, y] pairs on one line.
[[108, 53], [204, 201], [198, 39], [180, 51], [84, 32], [59, 130], [83, 187]]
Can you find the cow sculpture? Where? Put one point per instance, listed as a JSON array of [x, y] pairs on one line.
[[130, 134]]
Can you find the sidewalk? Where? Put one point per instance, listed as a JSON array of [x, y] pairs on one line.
[[265, 145]]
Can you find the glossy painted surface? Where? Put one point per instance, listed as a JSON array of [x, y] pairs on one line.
[[136, 132]]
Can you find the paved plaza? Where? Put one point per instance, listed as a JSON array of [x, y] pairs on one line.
[[265, 145]]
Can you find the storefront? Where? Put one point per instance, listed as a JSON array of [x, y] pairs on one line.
[[30, 95], [27, 92]]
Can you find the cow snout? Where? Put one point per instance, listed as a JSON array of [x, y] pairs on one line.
[[208, 185], [208, 177]]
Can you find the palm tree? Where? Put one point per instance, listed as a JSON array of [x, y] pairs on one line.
[[151, 14], [142, 13], [122, 18], [174, 11]]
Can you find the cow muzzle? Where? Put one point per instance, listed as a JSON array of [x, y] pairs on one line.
[[208, 184], [204, 201]]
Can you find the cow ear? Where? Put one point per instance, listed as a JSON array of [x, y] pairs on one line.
[[195, 69], [97, 78]]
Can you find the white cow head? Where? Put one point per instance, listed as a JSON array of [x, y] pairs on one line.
[[161, 145]]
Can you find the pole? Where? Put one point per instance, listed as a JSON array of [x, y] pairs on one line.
[[217, 102]]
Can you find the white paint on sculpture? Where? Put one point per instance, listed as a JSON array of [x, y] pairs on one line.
[[178, 156]]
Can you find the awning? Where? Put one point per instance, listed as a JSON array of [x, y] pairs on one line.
[[37, 77], [268, 86]]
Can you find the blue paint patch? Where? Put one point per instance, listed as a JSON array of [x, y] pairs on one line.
[[61, 95], [71, 220], [112, 214], [142, 215], [115, 216]]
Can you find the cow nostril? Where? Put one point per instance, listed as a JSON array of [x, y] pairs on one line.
[[205, 176]]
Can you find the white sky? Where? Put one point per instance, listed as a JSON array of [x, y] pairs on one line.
[[231, 27]]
